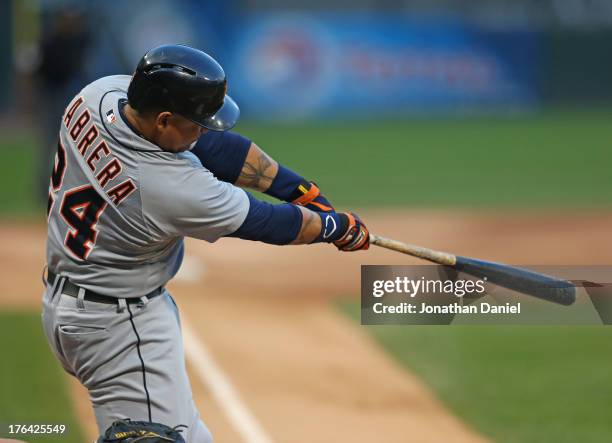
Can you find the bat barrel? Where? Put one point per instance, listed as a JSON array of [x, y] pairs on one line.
[[522, 280]]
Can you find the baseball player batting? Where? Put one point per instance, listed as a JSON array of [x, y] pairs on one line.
[[141, 163]]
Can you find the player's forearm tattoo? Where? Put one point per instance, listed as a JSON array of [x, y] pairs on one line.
[[258, 171]]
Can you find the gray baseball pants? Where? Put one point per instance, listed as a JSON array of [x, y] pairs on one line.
[[128, 356]]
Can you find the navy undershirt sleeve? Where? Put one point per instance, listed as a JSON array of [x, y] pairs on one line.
[[223, 154], [268, 223], [284, 184]]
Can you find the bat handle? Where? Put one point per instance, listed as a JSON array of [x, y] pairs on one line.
[[441, 258]]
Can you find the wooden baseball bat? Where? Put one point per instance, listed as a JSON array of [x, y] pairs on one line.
[[528, 282]]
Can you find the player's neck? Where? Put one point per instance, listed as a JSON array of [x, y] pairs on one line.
[[142, 127]]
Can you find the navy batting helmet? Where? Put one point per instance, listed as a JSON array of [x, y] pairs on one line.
[[185, 81]]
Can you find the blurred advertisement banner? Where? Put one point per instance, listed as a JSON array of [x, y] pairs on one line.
[[295, 66]]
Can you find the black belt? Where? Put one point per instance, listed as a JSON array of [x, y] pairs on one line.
[[73, 291]]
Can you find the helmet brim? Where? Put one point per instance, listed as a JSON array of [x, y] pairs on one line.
[[222, 120]]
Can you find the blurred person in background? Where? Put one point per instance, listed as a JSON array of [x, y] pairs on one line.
[[60, 74]]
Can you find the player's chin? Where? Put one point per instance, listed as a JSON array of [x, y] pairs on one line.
[[188, 147]]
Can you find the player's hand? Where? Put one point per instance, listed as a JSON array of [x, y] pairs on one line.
[[356, 237], [312, 198]]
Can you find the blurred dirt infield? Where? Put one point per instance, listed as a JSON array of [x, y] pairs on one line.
[[305, 372]]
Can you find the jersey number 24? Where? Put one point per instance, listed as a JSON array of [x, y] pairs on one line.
[[81, 208]]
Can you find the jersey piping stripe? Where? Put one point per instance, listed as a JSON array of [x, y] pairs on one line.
[[142, 364], [121, 116]]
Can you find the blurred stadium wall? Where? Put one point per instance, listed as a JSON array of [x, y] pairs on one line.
[[6, 44], [332, 58]]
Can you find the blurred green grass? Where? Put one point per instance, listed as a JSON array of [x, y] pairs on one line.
[[551, 159], [33, 387], [19, 158], [513, 384]]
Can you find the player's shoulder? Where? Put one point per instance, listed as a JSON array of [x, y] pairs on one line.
[[119, 81], [174, 176], [166, 172], [98, 88], [175, 182]]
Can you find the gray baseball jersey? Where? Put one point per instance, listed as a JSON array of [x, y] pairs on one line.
[[120, 206]]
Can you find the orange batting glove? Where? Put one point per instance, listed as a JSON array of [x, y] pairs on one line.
[[356, 236]]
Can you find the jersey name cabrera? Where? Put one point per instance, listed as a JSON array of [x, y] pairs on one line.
[[119, 206]]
